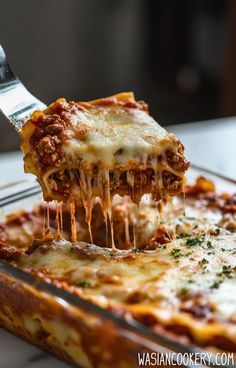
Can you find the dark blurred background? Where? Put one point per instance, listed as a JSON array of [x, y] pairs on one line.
[[179, 56]]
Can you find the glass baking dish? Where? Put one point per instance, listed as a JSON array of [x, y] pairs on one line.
[[72, 328]]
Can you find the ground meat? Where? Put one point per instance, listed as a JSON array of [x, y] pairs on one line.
[[3, 235], [228, 221], [49, 151], [195, 304], [53, 129], [61, 106], [46, 140], [197, 310], [49, 124], [8, 253], [112, 101], [176, 159], [204, 190], [202, 185], [171, 182], [162, 236], [60, 182]]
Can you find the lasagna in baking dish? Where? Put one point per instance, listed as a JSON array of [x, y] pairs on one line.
[[180, 280], [83, 150]]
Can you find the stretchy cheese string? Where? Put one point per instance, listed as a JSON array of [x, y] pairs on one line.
[[44, 221], [106, 224], [108, 207], [58, 222], [127, 208], [61, 218], [134, 236], [89, 209], [73, 222], [89, 206], [48, 231], [85, 186]]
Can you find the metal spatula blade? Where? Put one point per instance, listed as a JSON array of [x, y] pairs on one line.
[[16, 102]]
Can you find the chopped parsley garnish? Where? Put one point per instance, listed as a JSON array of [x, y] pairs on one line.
[[215, 285], [194, 241], [217, 230], [209, 244], [176, 252], [227, 270], [83, 284], [183, 291], [188, 254], [204, 261]]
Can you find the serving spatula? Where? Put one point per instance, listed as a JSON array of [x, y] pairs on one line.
[[16, 102]]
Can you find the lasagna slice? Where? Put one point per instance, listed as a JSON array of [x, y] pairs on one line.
[[82, 150]]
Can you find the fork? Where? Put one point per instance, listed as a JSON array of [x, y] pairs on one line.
[[16, 102]]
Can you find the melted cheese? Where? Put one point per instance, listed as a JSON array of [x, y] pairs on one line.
[[106, 147], [150, 282], [112, 129], [111, 137], [189, 282]]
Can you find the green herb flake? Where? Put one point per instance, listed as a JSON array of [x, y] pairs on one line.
[[188, 253], [193, 242], [226, 270], [183, 291], [204, 261], [176, 252], [215, 285], [83, 284], [209, 244]]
